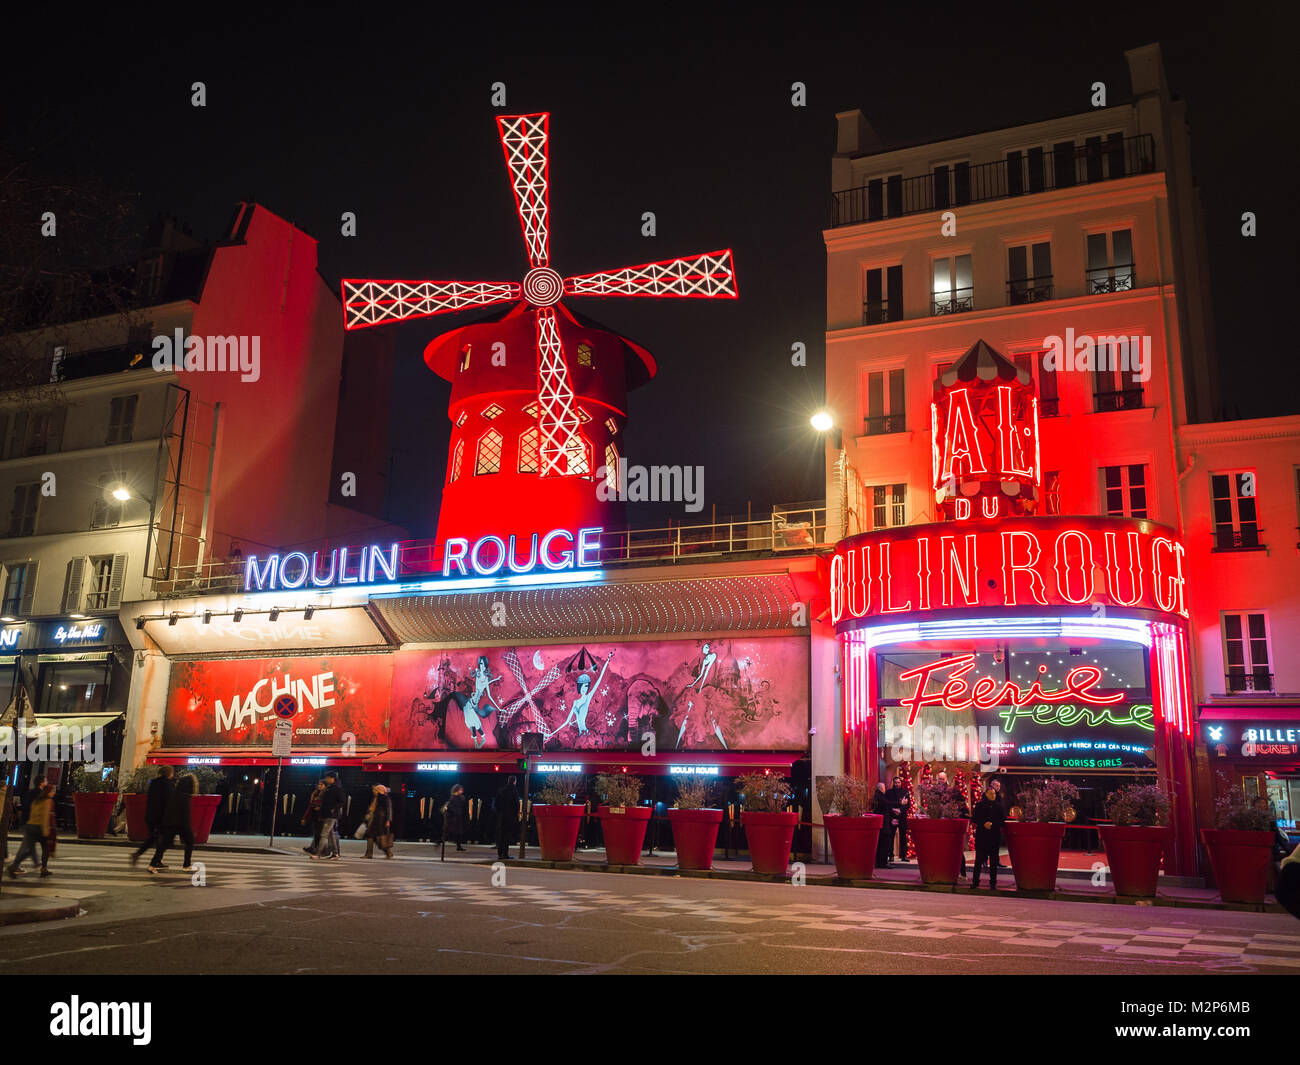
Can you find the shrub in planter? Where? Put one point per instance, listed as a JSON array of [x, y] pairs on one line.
[[939, 833], [1135, 843], [695, 823], [134, 789], [853, 832], [1034, 841], [622, 821], [203, 807], [94, 796], [558, 817], [769, 827], [1241, 847]]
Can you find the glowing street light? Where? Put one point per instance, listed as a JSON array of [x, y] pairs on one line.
[[121, 494], [822, 421]]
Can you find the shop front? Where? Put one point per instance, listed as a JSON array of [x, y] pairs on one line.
[[1255, 748], [1025, 646]]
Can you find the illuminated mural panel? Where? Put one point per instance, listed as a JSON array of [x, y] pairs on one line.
[[723, 694]]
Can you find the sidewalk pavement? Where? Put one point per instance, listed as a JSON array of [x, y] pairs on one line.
[[1072, 885]]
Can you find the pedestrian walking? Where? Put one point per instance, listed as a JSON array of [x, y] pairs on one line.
[[379, 823], [311, 817], [331, 810], [1288, 884], [885, 841], [155, 807], [38, 830], [176, 821], [989, 818], [457, 813], [507, 817]]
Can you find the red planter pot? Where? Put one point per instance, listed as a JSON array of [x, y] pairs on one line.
[[939, 842], [769, 836], [1133, 853], [136, 829], [203, 809], [695, 837], [557, 830], [1240, 859], [1035, 849], [624, 833], [94, 808], [853, 843]]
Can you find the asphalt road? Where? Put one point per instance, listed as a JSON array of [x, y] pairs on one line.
[[267, 913]]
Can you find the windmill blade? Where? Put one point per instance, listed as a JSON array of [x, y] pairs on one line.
[[549, 678], [524, 139], [367, 303], [562, 449], [709, 275], [512, 660]]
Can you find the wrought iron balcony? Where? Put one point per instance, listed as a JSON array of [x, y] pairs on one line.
[[1256, 680], [1247, 538], [883, 424], [1029, 290], [1049, 408], [1104, 279], [1119, 399], [876, 311], [953, 302], [960, 185]]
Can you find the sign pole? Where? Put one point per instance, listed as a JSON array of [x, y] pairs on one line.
[[523, 819], [275, 804]]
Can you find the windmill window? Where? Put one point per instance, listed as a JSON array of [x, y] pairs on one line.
[[493, 410], [489, 453], [612, 426], [611, 466], [464, 358], [530, 450], [457, 457], [584, 354]]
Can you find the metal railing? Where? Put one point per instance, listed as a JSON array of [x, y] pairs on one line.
[[1254, 681], [883, 424], [954, 301], [1105, 279], [1247, 538], [876, 311], [785, 530], [1117, 399], [1029, 290], [961, 184]]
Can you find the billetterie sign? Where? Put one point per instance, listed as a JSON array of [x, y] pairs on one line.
[[557, 551]]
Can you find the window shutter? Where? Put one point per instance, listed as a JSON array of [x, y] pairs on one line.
[[17, 435], [72, 585], [54, 432], [29, 589], [115, 581]]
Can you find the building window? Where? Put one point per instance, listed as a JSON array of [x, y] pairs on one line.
[[1029, 273], [1236, 520], [121, 419], [36, 432], [883, 300], [493, 410], [611, 426], [1025, 171], [1113, 385], [100, 582], [19, 585], [1045, 380], [583, 416], [954, 289], [488, 459], [531, 410], [1124, 491], [884, 403], [888, 509], [584, 354], [1110, 262], [611, 466], [106, 513], [530, 450], [884, 197], [1245, 653], [457, 458], [1052, 491], [22, 518], [951, 183]]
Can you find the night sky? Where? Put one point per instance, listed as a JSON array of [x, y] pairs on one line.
[[386, 114]]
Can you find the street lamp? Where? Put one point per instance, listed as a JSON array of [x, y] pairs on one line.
[[822, 421]]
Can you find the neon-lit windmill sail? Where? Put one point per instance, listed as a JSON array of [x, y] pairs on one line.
[[378, 302], [524, 139], [706, 276]]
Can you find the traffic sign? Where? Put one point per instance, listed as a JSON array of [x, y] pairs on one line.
[[286, 706], [282, 740]]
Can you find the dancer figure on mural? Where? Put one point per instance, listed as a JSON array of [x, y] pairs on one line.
[[483, 681], [706, 666], [578, 711], [713, 720]]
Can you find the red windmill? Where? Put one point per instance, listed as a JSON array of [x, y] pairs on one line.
[[534, 426]]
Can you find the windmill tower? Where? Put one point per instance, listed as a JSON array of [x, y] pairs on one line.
[[539, 392]]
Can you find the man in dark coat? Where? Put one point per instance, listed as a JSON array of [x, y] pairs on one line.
[[507, 817], [885, 842], [379, 823], [898, 802], [155, 806], [988, 818], [457, 814], [176, 821], [331, 810]]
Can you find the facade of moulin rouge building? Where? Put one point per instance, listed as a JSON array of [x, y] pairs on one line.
[[1029, 240]]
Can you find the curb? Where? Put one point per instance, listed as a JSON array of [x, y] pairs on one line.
[[29, 911]]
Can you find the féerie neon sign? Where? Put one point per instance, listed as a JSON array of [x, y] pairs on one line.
[[985, 694]]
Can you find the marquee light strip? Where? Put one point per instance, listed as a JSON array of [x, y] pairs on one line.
[[709, 275], [367, 303]]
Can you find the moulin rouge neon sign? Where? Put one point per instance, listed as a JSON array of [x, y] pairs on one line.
[[1027, 562], [986, 693]]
